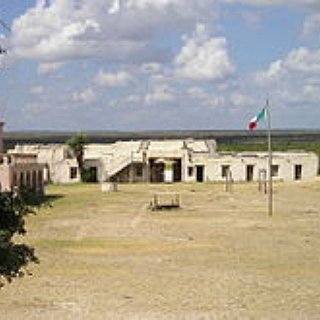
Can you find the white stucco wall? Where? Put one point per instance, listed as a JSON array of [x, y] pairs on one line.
[[97, 163], [285, 160], [60, 172], [57, 158], [108, 158]]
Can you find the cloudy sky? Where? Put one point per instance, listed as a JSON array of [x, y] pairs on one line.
[[159, 64]]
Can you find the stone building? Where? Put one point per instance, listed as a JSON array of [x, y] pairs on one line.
[[60, 164], [169, 161], [19, 170], [248, 166]]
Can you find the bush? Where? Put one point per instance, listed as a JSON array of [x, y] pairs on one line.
[[14, 258]]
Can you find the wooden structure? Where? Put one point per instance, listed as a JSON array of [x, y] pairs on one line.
[[165, 201]]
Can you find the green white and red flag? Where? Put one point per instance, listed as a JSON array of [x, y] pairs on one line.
[[254, 121]]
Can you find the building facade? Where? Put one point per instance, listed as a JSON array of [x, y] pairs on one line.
[[20, 170], [60, 166], [169, 161]]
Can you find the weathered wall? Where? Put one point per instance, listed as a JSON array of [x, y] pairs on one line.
[[5, 178], [285, 161], [22, 175], [116, 158], [58, 159]]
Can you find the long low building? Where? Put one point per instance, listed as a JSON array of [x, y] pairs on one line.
[[169, 161]]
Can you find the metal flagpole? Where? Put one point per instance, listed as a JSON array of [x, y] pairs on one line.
[[270, 186]]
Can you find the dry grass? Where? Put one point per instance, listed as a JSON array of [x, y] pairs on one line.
[[106, 256]]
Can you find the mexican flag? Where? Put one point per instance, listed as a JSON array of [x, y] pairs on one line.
[[254, 121]]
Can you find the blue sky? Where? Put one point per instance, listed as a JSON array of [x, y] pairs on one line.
[[159, 64]]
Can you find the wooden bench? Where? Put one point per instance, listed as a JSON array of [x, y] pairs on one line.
[[165, 201]]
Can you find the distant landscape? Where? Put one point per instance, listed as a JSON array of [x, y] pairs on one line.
[[225, 137], [234, 140]]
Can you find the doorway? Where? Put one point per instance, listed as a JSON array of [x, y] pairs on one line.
[[249, 172], [156, 171], [298, 172], [200, 173], [92, 175], [177, 170]]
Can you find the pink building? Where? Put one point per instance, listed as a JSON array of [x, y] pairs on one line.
[[19, 170]]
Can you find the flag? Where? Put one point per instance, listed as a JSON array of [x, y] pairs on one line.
[[254, 121]]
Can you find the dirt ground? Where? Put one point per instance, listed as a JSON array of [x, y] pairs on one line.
[[106, 256]]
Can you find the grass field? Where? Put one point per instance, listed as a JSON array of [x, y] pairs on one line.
[[106, 256]]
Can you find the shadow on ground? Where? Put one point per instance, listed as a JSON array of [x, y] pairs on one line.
[[48, 200]]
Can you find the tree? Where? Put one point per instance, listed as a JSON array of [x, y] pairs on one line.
[[14, 257], [77, 144]]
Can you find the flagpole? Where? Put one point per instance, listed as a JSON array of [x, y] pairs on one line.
[[270, 183]]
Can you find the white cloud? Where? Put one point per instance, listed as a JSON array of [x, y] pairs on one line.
[[192, 8], [86, 96], [204, 98], [216, 101], [294, 79], [49, 67], [203, 57], [36, 90], [311, 92], [311, 25], [29, 42], [301, 62], [160, 94], [133, 99], [115, 7], [128, 101], [110, 29], [197, 93], [3, 60], [158, 4], [117, 79], [305, 3], [55, 32], [240, 99], [129, 37], [63, 31], [151, 68], [252, 17]]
